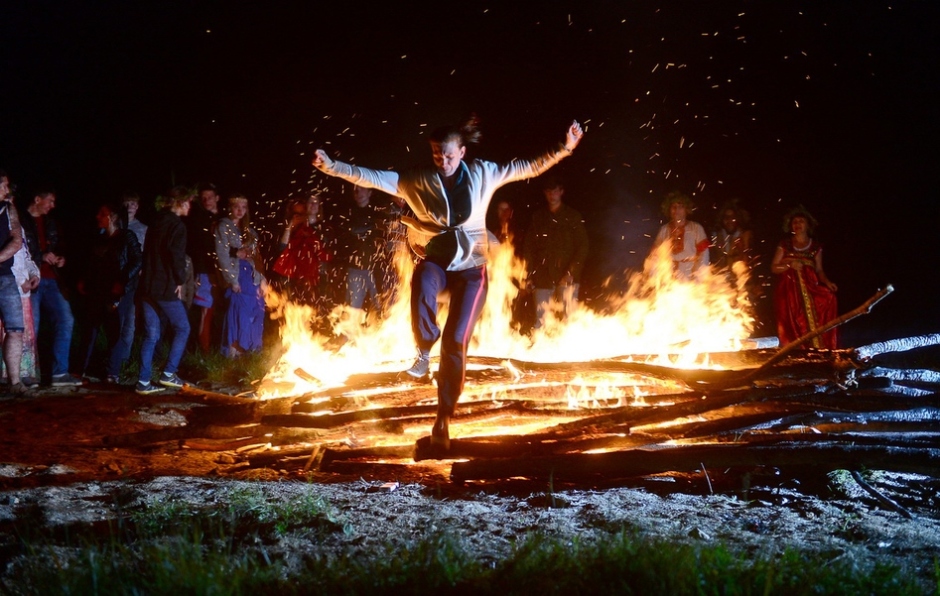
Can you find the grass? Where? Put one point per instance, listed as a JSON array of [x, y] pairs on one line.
[[176, 548], [217, 368]]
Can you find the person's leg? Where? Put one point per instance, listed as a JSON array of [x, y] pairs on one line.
[[92, 322], [428, 281], [203, 300], [35, 302], [60, 314], [125, 335], [569, 297], [371, 292], [11, 313], [151, 336], [467, 297], [356, 287], [543, 299], [12, 354], [175, 312]]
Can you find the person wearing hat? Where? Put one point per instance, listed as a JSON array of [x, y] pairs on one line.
[[687, 239], [804, 298]]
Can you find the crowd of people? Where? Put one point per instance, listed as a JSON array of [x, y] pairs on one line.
[[196, 275]]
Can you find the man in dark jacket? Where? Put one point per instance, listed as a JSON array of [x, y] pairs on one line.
[[556, 246], [112, 271], [161, 290], [48, 302], [362, 239], [200, 246]]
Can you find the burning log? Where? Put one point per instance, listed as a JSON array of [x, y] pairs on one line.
[[388, 452], [218, 444], [665, 373]]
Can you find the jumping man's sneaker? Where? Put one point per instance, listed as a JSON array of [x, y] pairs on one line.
[[146, 388], [172, 380], [421, 367]]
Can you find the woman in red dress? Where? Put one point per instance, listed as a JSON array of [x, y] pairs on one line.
[[302, 251], [805, 298]]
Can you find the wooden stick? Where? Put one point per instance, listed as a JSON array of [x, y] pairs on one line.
[[880, 497], [865, 308]]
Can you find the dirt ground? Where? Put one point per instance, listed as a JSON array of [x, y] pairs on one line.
[[54, 461]]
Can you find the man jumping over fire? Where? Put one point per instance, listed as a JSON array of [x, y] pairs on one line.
[[448, 233]]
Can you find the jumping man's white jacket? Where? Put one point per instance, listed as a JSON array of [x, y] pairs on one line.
[[423, 191]]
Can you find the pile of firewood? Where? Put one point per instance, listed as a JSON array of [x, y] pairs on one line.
[[825, 409], [798, 409]]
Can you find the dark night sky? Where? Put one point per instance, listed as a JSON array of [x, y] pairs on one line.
[[828, 104]]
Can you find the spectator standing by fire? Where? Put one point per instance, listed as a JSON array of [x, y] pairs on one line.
[[448, 233], [200, 246], [161, 290], [687, 239], [109, 284], [26, 273], [11, 304], [131, 202], [236, 245], [805, 298], [556, 246], [733, 240], [302, 251], [48, 301], [361, 240]]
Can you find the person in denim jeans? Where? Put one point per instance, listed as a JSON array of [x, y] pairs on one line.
[[42, 238], [161, 290], [11, 306], [109, 283]]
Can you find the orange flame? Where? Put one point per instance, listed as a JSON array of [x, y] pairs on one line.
[[675, 320]]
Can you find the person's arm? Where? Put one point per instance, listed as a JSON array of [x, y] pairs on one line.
[[383, 180], [225, 236], [823, 279], [522, 169], [702, 243], [176, 249], [16, 234], [135, 257], [779, 265]]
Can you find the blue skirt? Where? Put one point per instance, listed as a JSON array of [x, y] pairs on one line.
[[244, 319]]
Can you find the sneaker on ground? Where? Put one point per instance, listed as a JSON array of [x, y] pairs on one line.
[[146, 388], [421, 367], [65, 380], [18, 389], [172, 380]]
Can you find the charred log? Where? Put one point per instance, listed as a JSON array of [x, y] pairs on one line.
[[625, 464]]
